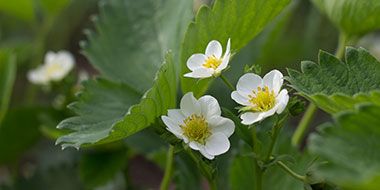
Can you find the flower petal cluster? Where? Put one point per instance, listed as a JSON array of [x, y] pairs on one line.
[[211, 63], [199, 124], [56, 66], [261, 97]]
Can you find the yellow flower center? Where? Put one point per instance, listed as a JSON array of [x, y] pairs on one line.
[[263, 99], [53, 68], [195, 128], [212, 62]]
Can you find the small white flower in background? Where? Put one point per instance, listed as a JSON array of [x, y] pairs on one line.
[[211, 63], [83, 76], [55, 68], [261, 97], [199, 123]]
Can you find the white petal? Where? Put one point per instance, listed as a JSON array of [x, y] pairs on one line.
[[196, 61], [223, 125], [49, 57], [248, 83], [189, 105], [59, 64], [205, 154], [226, 57], [195, 146], [172, 126], [243, 100], [38, 76], [268, 113], [200, 73], [214, 48], [249, 118], [185, 139], [209, 106], [176, 115], [66, 59], [191, 75], [224, 64], [228, 48], [217, 144], [282, 100], [274, 80]]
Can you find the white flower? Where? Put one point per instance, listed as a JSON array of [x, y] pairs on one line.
[[199, 123], [55, 68], [261, 97], [83, 76], [211, 63]]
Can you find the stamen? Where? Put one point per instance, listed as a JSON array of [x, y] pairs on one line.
[[263, 99], [196, 128], [212, 62], [53, 69]]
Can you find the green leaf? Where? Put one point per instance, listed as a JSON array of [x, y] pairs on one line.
[[99, 167], [7, 77], [107, 112], [18, 132], [22, 9], [133, 36], [53, 7], [101, 104], [335, 86], [339, 102], [350, 145], [353, 17], [239, 20]]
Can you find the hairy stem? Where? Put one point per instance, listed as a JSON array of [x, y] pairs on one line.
[[259, 177], [213, 185], [168, 169], [276, 131], [258, 170], [291, 172], [341, 46], [210, 178], [229, 85], [303, 126], [255, 140]]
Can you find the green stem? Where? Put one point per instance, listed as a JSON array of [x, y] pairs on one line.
[[258, 170], [254, 139], [259, 177], [341, 46], [213, 185], [291, 172], [210, 178], [304, 125], [168, 169], [273, 142], [230, 86]]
